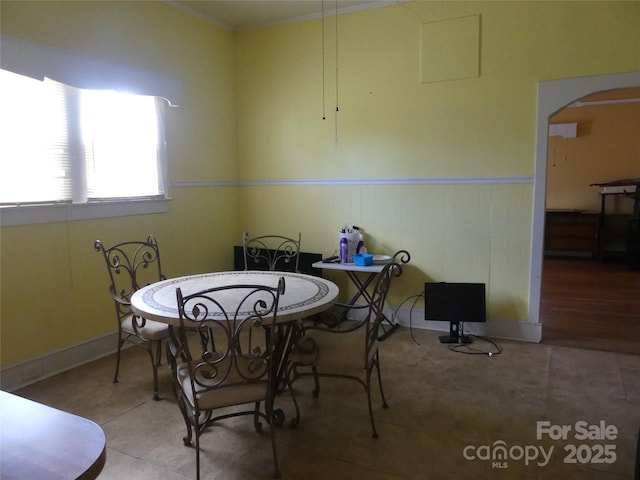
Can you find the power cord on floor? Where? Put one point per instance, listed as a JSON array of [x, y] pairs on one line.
[[415, 298], [467, 349], [458, 347]]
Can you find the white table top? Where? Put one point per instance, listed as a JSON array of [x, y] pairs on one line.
[[304, 295], [351, 267]]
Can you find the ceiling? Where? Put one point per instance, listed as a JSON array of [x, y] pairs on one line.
[[240, 15], [248, 14]]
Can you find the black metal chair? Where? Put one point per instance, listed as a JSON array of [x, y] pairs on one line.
[[346, 349], [132, 265], [271, 252], [231, 372]]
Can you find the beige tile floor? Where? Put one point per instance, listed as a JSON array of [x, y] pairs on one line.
[[440, 403]]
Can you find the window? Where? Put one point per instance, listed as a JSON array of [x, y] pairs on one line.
[[73, 146], [121, 133]]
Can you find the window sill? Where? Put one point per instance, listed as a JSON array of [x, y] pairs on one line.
[[32, 214]]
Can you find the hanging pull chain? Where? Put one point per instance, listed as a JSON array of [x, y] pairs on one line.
[[337, 109], [324, 117]]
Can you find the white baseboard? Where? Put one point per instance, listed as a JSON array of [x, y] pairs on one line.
[[35, 369], [493, 327]]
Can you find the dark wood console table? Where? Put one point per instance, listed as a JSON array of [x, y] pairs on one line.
[[571, 233]]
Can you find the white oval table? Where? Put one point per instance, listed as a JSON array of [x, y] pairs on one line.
[[304, 296]]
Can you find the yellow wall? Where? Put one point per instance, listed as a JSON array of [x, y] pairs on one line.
[[607, 148], [253, 108], [476, 233], [392, 126], [53, 284]]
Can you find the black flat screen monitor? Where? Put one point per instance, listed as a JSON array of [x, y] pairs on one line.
[[455, 303]]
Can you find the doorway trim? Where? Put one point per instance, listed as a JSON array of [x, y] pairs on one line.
[[554, 95]]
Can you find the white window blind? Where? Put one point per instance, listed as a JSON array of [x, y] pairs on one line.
[[62, 144], [34, 150], [123, 145], [38, 61], [46, 181]]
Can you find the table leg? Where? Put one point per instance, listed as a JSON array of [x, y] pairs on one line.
[[363, 292], [362, 286], [284, 342]]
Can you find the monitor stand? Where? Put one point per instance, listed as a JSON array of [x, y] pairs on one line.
[[456, 334]]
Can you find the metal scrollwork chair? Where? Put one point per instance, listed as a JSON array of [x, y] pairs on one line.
[[271, 252], [231, 372], [401, 256], [132, 265], [346, 349]]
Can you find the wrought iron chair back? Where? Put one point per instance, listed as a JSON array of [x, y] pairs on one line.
[[401, 256], [375, 312], [233, 370], [271, 252], [132, 265], [352, 344]]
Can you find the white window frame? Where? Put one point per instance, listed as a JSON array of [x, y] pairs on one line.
[[39, 61], [32, 214]]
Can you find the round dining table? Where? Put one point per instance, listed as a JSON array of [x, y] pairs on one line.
[[304, 296]]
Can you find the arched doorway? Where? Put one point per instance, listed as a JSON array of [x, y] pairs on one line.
[[553, 96]]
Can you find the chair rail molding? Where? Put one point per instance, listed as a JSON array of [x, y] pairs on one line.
[[520, 179]]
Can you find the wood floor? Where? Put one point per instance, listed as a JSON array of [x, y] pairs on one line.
[[591, 304]]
